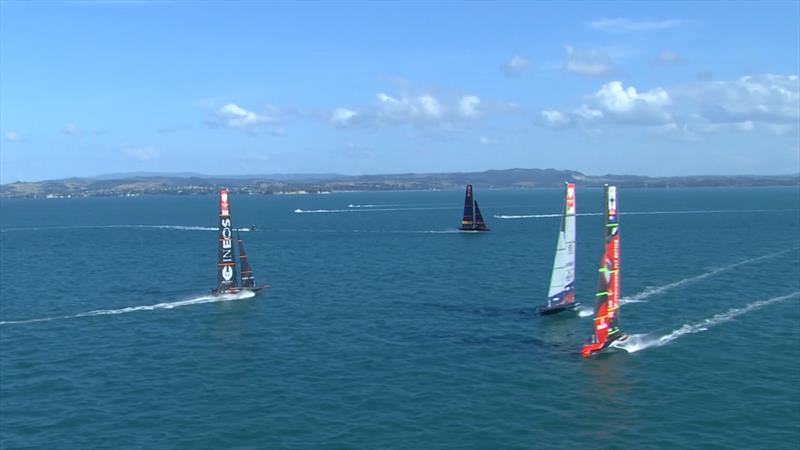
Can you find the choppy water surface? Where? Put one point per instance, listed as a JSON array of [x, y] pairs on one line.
[[385, 328]]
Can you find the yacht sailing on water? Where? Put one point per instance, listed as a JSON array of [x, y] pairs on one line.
[[561, 296], [472, 220], [606, 307], [228, 282]]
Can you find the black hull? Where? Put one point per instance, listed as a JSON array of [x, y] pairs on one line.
[[550, 310], [473, 230]]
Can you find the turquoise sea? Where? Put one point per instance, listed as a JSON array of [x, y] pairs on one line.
[[384, 328]]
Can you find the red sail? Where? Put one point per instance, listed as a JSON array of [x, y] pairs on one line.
[[606, 311]]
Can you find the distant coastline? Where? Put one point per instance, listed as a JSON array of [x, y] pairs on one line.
[[132, 185]]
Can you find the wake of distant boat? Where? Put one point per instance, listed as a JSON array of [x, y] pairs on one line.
[[167, 305], [640, 213], [637, 342]]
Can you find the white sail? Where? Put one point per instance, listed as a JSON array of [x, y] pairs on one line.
[[563, 276]]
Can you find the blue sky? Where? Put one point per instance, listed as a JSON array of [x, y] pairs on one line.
[[647, 88]]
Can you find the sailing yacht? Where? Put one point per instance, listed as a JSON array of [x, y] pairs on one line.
[[606, 306], [561, 296], [227, 280], [472, 220]]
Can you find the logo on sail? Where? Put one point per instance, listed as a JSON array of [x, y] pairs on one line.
[[223, 203]]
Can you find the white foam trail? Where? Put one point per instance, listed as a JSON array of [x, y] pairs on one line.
[[162, 227], [639, 213], [167, 305], [371, 206], [637, 342], [527, 216], [651, 291], [585, 311]]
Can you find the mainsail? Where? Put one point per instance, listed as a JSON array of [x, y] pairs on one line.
[[248, 279], [467, 220], [226, 264], [472, 220], [479, 223], [562, 280], [227, 281], [606, 309]]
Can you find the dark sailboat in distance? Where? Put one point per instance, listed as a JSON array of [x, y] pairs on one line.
[[472, 220], [227, 280]]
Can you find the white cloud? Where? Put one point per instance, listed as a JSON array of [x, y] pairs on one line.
[[614, 103], [613, 97], [515, 66], [763, 98], [422, 110], [622, 25], [554, 119], [488, 141], [468, 106], [12, 136], [71, 129], [234, 116], [146, 153], [430, 107], [590, 62], [343, 117], [670, 58], [769, 103]]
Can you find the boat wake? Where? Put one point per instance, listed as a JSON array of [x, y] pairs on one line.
[[372, 208], [651, 291], [531, 216], [585, 311], [160, 227], [167, 305], [641, 213], [638, 342]]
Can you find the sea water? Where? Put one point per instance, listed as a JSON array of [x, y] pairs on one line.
[[385, 328]]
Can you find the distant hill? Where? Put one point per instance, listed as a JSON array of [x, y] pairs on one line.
[[185, 183]]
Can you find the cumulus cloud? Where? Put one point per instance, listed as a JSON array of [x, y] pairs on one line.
[[554, 119], [469, 106], [423, 110], [763, 102], [590, 62], [71, 129], [668, 58], [766, 98], [622, 25], [343, 117], [234, 116], [515, 66], [12, 136], [146, 153]]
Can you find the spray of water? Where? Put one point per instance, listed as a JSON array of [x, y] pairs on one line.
[[638, 342]]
